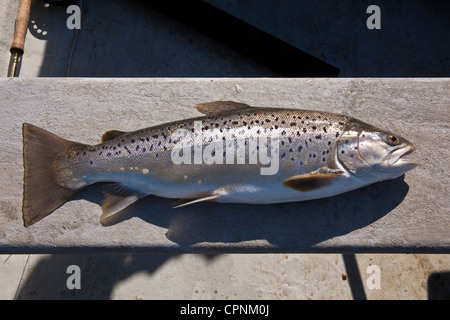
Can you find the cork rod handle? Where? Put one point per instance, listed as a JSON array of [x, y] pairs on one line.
[[20, 28]]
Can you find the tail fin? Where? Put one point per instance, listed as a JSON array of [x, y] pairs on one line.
[[41, 192]]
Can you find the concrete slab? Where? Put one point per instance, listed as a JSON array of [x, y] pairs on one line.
[[409, 214]]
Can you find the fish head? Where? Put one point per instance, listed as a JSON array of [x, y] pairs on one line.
[[375, 154]]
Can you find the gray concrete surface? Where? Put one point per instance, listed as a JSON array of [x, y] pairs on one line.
[[409, 214], [410, 44]]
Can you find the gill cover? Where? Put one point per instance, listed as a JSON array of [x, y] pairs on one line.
[[365, 149]]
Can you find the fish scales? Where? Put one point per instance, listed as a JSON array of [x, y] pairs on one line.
[[317, 154], [307, 142]]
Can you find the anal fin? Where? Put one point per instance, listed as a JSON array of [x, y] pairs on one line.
[[117, 198]]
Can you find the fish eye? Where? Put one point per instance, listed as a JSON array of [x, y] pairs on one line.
[[392, 140]]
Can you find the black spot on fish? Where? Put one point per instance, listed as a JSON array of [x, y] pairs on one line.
[[217, 125], [84, 153], [298, 133], [283, 155], [290, 140], [100, 153], [342, 152], [267, 120], [300, 148], [234, 122], [156, 136], [258, 132], [256, 121], [346, 140], [329, 142], [126, 148], [282, 142], [283, 122], [323, 159], [283, 132], [78, 153], [290, 150], [318, 137], [156, 154], [276, 126], [337, 134], [142, 139], [132, 140], [151, 148], [118, 144], [314, 127], [324, 129], [108, 154], [91, 162], [276, 119], [293, 124], [341, 123], [304, 130], [137, 147]]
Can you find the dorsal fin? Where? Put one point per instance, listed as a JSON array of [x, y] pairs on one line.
[[218, 107], [111, 134]]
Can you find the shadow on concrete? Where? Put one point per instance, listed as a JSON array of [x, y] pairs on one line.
[[130, 39], [286, 226], [99, 274], [439, 286]]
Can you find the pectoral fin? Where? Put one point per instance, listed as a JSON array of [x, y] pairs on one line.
[[117, 198], [312, 181], [218, 107]]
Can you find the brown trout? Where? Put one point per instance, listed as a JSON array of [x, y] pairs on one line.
[[235, 154]]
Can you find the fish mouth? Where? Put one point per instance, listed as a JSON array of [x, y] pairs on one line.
[[396, 157]]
